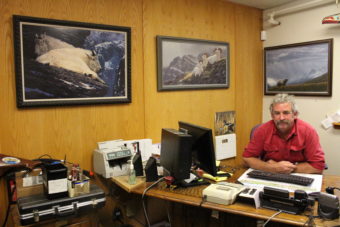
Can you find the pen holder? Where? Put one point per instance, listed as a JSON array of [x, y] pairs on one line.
[[76, 188]]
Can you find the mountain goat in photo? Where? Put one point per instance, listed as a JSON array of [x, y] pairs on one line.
[[281, 83], [74, 59], [44, 43]]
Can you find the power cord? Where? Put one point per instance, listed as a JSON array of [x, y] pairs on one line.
[[330, 190], [310, 220], [11, 192], [143, 202], [168, 213], [271, 217]]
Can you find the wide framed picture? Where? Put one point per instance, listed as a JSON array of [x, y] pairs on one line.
[[191, 64], [303, 69], [71, 63]]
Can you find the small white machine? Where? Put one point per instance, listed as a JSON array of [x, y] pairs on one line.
[[111, 162], [251, 196], [222, 193]]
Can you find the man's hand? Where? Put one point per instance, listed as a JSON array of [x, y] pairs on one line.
[[282, 166]]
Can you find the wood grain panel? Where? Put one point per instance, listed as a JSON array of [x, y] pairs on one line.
[[74, 131], [198, 19], [71, 131], [249, 85]]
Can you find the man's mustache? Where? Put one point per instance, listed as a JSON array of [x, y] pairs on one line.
[[282, 121]]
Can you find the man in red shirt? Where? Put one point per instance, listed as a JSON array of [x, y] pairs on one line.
[[285, 144]]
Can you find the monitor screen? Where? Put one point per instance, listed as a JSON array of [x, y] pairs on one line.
[[203, 154]]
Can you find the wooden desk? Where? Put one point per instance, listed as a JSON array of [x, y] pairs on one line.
[[189, 196], [193, 196], [23, 164]]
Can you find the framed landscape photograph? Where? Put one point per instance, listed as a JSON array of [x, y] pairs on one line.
[[184, 64], [303, 69], [71, 63]]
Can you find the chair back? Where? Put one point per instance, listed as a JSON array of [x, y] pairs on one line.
[[254, 129]]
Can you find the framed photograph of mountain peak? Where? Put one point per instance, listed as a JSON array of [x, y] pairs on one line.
[[61, 62], [303, 69], [184, 64]]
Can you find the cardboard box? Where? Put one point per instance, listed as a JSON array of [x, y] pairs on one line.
[[28, 184], [76, 188]]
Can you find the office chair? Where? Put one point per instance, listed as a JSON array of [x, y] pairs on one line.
[[252, 131]]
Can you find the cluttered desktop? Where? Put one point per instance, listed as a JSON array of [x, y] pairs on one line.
[[187, 160]]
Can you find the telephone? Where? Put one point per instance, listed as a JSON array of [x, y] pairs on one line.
[[279, 199], [328, 206]]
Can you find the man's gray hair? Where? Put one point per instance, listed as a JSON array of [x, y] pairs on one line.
[[284, 98]]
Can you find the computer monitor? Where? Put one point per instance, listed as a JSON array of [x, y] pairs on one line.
[[176, 153], [203, 153]]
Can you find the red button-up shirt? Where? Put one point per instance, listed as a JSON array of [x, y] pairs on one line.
[[302, 145]]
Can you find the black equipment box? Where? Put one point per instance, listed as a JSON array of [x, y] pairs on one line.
[[36, 208], [55, 180], [279, 199]]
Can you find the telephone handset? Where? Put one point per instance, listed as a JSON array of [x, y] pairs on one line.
[[328, 206]]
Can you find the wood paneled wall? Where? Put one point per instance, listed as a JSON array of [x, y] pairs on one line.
[[75, 130], [199, 19], [249, 74], [209, 20]]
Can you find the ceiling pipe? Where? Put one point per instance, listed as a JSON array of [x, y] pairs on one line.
[[292, 7]]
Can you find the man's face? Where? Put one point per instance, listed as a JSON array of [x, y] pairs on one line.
[[283, 117]]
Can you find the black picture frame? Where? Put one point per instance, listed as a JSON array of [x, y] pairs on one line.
[[184, 64], [302, 69], [60, 62]]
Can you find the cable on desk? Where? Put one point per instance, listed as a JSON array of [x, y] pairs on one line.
[[330, 190], [143, 203], [277, 213], [310, 220]]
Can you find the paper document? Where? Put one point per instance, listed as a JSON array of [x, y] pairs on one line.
[[258, 183], [225, 146]]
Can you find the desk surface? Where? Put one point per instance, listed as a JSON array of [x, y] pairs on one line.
[[23, 164], [193, 196]]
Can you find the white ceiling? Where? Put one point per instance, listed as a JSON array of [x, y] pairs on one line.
[[262, 4]]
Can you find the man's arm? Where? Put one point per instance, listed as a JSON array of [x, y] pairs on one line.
[[270, 166], [314, 156], [305, 167]]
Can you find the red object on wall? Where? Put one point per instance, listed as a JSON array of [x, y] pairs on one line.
[[333, 19]]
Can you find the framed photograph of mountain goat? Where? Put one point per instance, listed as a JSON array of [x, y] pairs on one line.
[[303, 69], [71, 63], [191, 64]]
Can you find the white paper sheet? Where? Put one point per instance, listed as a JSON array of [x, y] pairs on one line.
[[225, 146]]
